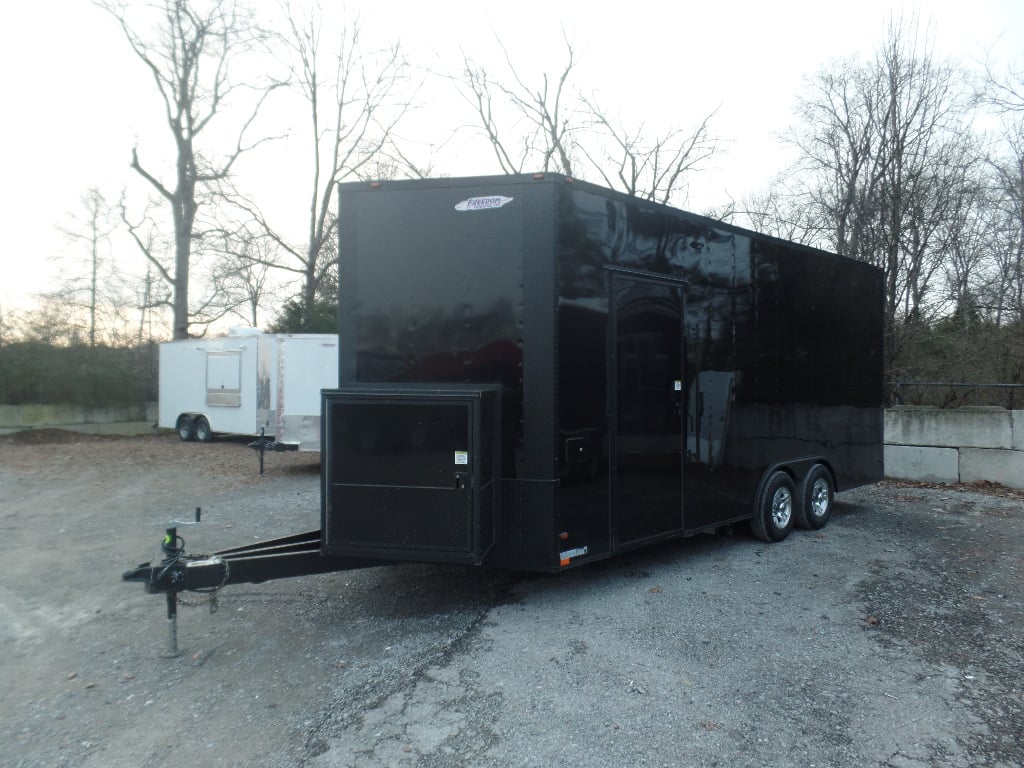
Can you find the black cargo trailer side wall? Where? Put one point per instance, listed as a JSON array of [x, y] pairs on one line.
[[782, 342]]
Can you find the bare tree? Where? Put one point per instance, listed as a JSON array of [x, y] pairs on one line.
[[1009, 183], [1005, 94], [91, 227], [1004, 91], [549, 126], [94, 294], [887, 150], [192, 57], [149, 295], [355, 98], [242, 273], [51, 323], [780, 210], [547, 142], [651, 167]]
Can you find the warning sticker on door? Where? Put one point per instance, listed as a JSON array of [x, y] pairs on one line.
[[461, 458]]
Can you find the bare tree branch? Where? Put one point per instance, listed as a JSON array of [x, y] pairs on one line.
[[549, 126]]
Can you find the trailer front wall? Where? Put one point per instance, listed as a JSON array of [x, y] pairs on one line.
[[306, 364], [432, 278]]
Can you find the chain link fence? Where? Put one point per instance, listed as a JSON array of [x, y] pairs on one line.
[[958, 394]]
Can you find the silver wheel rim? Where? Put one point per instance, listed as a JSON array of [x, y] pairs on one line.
[[782, 507], [819, 497]]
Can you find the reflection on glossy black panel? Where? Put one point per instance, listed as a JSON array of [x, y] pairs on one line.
[[436, 301], [648, 377], [409, 444]]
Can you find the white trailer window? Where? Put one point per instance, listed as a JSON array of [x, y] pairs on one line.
[[224, 378]]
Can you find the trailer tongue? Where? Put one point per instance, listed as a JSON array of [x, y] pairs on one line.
[[206, 574]]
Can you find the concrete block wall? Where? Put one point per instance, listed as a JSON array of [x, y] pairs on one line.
[[134, 419], [963, 445]]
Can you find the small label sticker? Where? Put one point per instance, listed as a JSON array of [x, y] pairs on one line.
[[462, 458], [569, 554], [483, 203]]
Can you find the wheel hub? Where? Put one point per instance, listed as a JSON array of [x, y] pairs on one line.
[[819, 498], [782, 507]]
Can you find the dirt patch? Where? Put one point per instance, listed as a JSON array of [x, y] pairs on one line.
[[48, 436], [223, 463]]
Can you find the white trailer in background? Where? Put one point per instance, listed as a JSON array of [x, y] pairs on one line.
[[248, 383]]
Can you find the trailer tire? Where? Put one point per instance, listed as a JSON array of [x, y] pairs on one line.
[[773, 515], [203, 432], [817, 493], [185, 428]]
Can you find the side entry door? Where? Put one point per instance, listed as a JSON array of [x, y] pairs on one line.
[[648, 410]]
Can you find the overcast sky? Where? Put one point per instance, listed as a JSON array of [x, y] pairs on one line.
[[77, 99]]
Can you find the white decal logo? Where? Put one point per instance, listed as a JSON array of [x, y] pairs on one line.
[[483, 203]]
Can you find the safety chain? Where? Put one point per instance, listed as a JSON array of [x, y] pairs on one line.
[[211, 595]]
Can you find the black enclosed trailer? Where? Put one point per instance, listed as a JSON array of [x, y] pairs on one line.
[[536, 373]]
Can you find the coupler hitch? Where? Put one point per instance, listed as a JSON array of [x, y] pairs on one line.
[[179, 572]]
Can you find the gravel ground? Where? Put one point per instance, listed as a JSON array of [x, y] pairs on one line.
[[894, 637]]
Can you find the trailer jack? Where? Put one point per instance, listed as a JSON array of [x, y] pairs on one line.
[[207, 574], [262, 444]]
